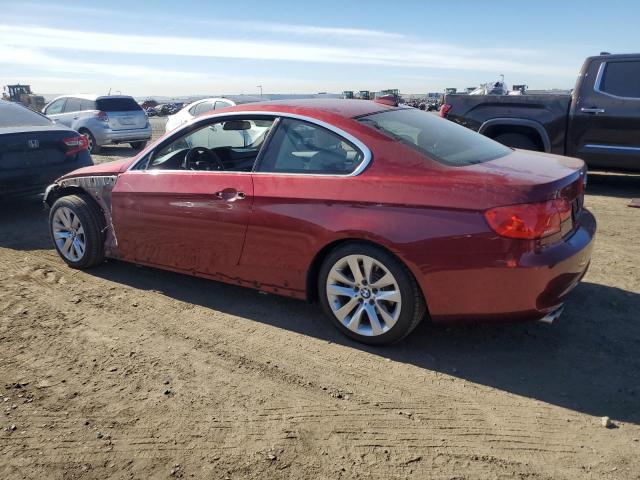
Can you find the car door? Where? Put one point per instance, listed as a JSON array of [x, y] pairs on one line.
[[55, 110], [304, 169], [605, 122], [71, 112], [188, 211]]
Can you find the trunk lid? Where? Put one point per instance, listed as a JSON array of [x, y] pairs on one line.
[[529, 177], [124, 113], [27, 148]]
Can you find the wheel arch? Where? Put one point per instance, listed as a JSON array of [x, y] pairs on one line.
[[97, 192], [53, 194], [83, 128], [496, 126], [313, 271]]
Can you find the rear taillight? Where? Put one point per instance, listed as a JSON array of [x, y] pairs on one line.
[[529, 221], [444, 109], [76, 144], [102, 116]]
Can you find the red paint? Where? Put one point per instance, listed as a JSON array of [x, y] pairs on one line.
[[430, 215]]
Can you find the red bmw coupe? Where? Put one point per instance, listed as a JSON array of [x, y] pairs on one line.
[[384, 214]]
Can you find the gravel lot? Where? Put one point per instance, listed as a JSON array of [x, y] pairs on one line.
[[127, 372]]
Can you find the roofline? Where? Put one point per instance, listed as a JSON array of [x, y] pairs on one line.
[[210, 99], [89, 96], [615, 56], [283, 106]]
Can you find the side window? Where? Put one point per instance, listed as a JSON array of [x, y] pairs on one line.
[[72, 105], [87, 105], [230, 145], [219, 105], [56, 107], [203, 107], [301, 147], [621, 79]]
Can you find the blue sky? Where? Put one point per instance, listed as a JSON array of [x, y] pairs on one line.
[[191, 48]]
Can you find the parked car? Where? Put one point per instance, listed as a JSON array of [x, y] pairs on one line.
[[166, 109], [34, 151], [599, 122], [383, 214], [194, 109], [151, 111], [104, 120]]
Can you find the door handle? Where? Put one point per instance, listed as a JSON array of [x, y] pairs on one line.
[[592, 110], [230, 195]]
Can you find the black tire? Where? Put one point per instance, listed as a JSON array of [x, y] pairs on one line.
[[92, 223], [94, 148], [517, 140], [138, 145], [413, 307]]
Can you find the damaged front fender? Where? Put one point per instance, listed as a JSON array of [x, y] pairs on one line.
[[98, 188]]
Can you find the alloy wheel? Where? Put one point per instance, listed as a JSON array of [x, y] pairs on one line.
[[68, 233], [363, 295]]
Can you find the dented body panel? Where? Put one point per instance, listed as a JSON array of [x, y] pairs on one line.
[[99, 188]]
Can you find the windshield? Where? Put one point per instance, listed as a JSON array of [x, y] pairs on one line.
[[439, 139], [15, 115]]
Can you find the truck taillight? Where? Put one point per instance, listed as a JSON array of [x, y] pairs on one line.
[[529, 221], [102, 116], [444, 109], [76, 144]]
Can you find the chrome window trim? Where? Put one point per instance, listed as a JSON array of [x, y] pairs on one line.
[[366, 152], [598, 81], [612, 147]]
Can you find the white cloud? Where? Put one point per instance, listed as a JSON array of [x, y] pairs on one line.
[[401, 53], [34, 58], [310, 30], [253, 26]]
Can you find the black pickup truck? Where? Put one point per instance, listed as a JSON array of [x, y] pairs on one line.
[[599, 122]]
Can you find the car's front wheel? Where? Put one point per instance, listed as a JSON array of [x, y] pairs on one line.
[[75, 228], [369, 294]]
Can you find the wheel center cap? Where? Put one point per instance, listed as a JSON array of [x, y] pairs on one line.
[[365, 293]]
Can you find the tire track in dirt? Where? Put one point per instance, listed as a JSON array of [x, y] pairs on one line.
[[240, 389]]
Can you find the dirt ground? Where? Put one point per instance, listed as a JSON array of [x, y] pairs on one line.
[[133, 373]]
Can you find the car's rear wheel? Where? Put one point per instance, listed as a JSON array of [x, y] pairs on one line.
[[138, 145], [75, 228], [93, 147], [369, 294]]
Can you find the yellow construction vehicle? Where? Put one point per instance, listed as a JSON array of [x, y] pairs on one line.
[[22, 94]]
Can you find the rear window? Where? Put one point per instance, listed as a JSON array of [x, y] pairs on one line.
[[14, 115], [117, 104], [439, 139]]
